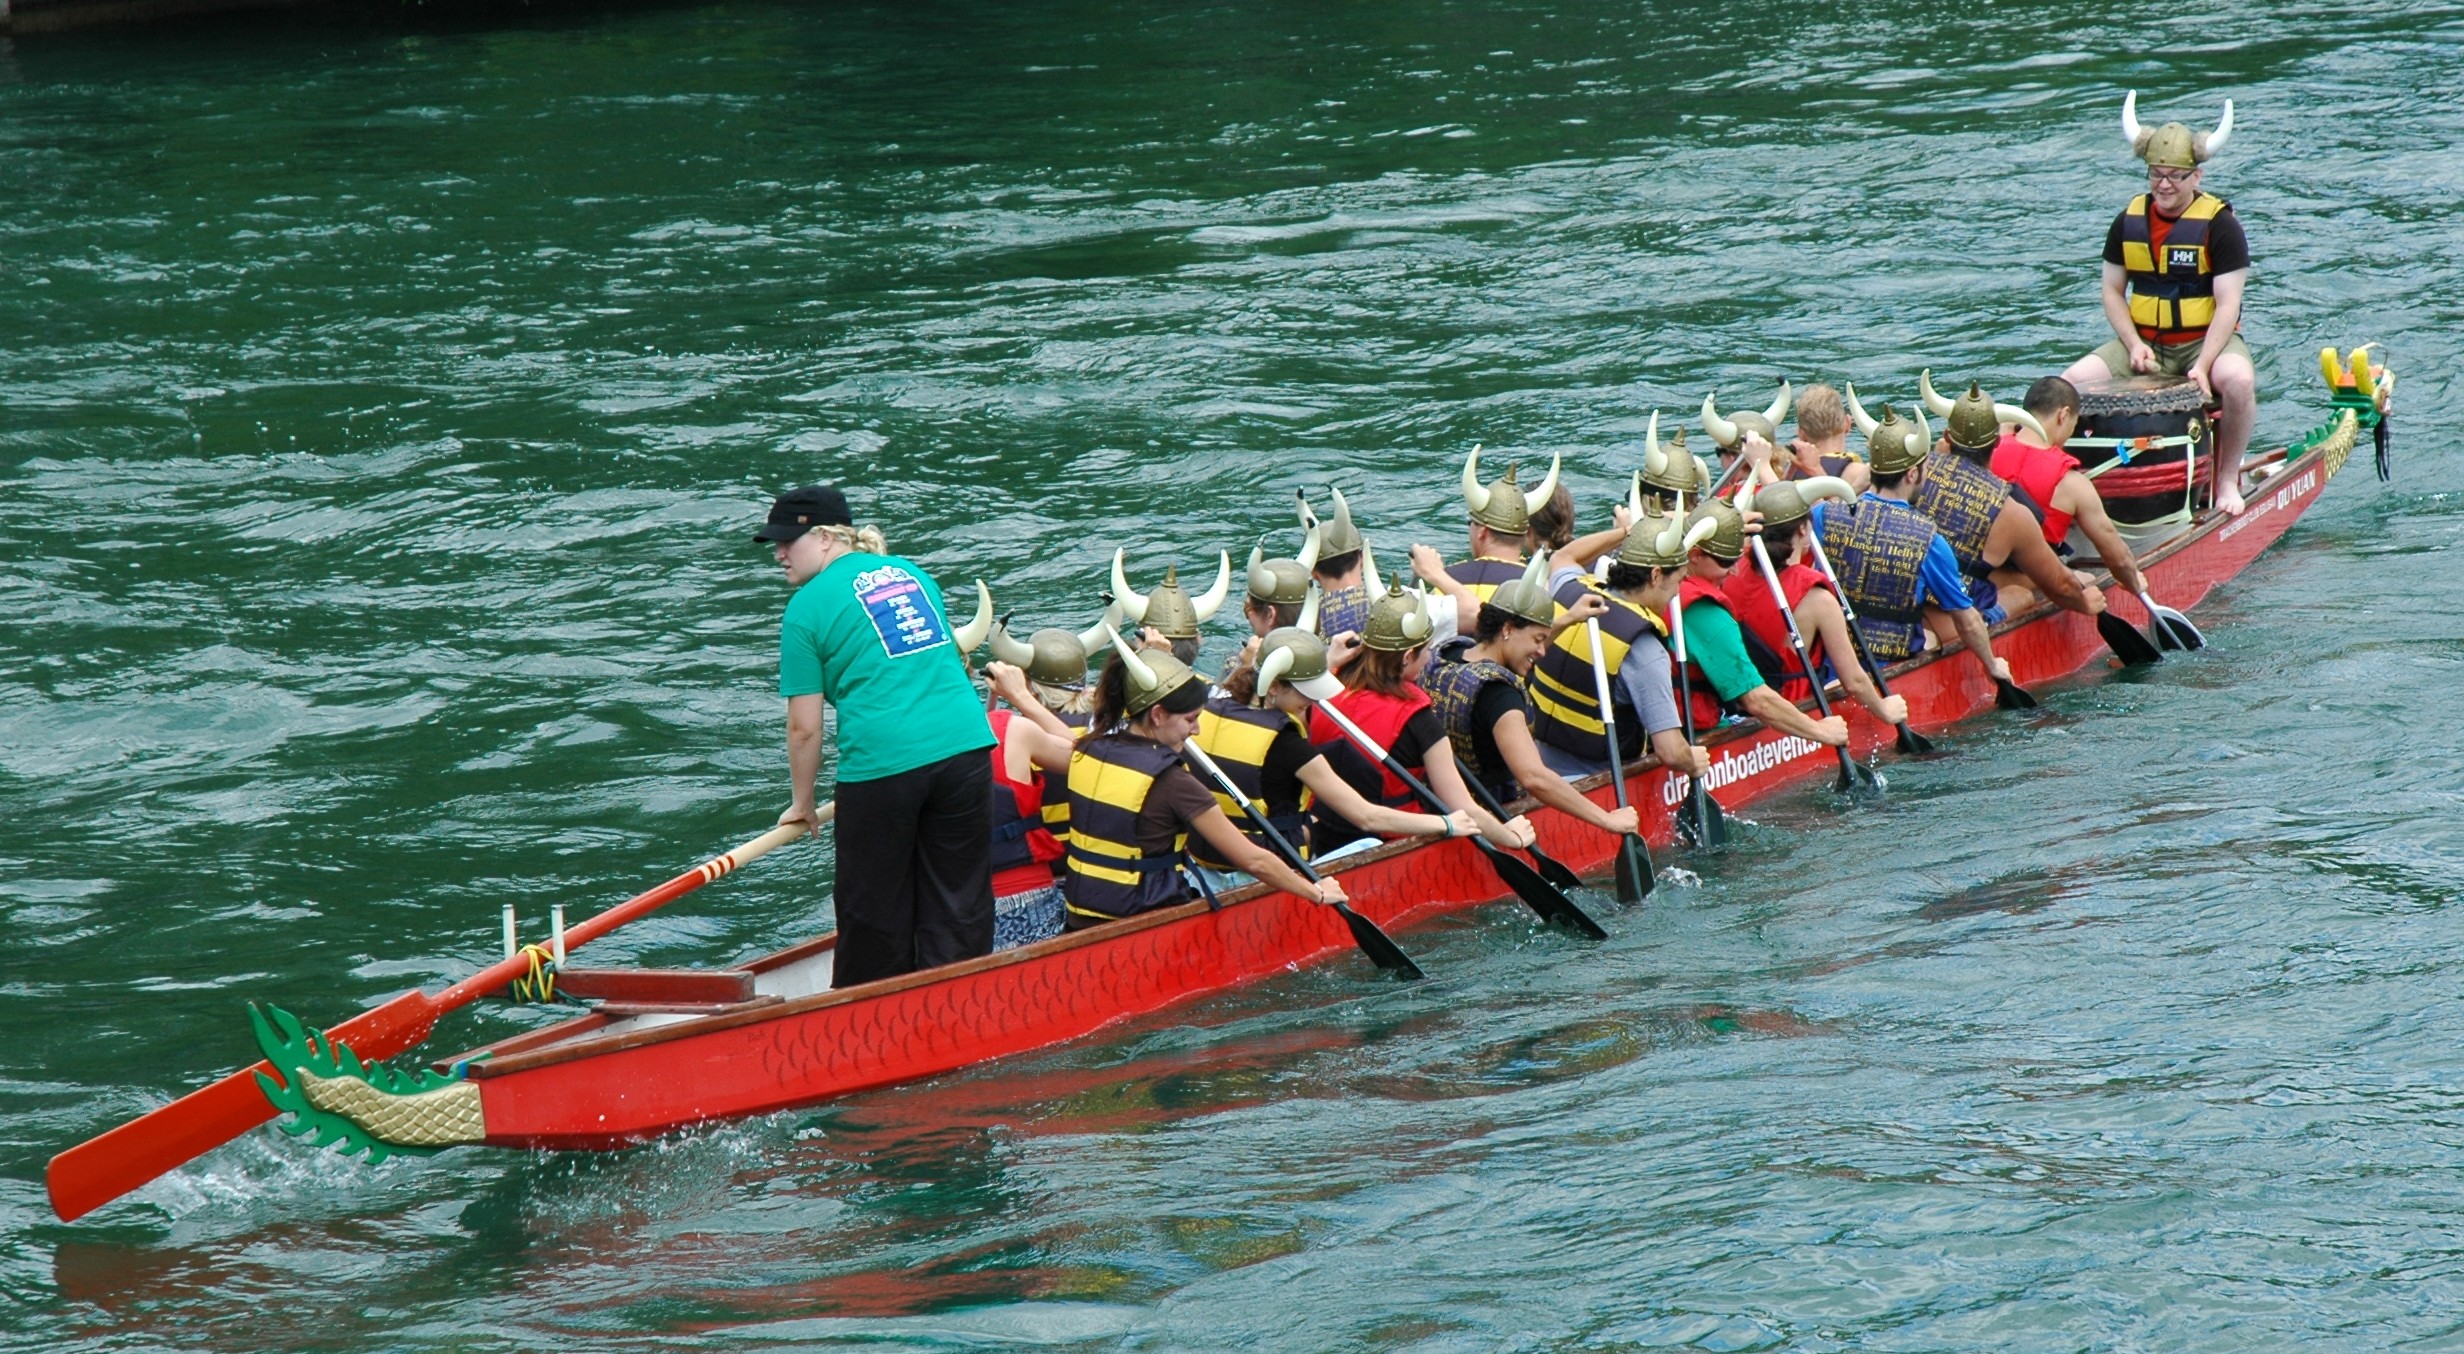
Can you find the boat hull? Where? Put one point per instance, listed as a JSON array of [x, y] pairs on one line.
[[597, 1087]]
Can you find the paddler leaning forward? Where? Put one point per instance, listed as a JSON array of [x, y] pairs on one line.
[[1133, 807], [1383, 697], [1787, 512], [865, 632], [1479, 697], [1256, 730], [2000, 545], [1636, 588], [1721, 673], [1889, 560]]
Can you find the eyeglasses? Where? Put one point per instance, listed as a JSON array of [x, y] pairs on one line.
[[2170, 175]]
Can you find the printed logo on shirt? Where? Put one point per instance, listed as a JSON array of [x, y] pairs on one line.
[[894, 601]]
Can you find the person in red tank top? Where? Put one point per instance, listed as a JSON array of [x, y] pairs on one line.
[[1787, 534], [2057, 492]]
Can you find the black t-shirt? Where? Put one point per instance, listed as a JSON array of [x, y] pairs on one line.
[[1495, 701], [1290, 751], [1329, 829], [2228, 250]]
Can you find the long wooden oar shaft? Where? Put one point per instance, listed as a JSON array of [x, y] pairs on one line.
[[101, 1169]]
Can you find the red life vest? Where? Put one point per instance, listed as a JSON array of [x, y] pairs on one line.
[[2036, 472], [1380, 716], [1022, 849], [1707, 707], [1749, 600]]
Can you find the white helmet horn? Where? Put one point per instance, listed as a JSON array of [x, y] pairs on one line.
[[2132, 132], [1208, 605], [1308, 619], [2011, 413], [1933, 398], [1538, 498], [1777, 413], [1655, 456], [1015, 652], [1139, 673], [2213, 142], [1131, 602], [1722, 431], [1475, 494], [971, 635], [1866, 423]]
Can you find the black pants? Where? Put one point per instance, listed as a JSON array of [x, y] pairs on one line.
[[914, 886]]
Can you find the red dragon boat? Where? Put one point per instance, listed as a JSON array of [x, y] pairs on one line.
[[668, 1049]]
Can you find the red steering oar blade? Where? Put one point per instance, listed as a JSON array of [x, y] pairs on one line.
[[101, 1169]]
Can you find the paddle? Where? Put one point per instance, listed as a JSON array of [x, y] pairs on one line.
[[1551, 868], [1910, 741], [2132, 647], [1635, 876], [1537, 893], [2173, 629], [2011, 696], [101, 1169], [1380, 948], [1852, 773], [1709, 824]]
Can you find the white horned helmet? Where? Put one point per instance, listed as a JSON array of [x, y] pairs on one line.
[[2174, 145], [1170, 608]]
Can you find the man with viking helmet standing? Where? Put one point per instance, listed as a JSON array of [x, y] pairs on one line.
[[1999, 543], [1889, 559], [2176, 262]]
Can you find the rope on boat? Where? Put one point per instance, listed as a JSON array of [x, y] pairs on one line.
[[539, 985]]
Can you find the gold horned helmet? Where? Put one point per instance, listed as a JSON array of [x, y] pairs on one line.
[[1295, 656], [1399, 621], [1527, 598], [1336, 535], [1667, 469], [1729, 433], [1504, 507], [1661, 540], [1054, 657], [1789, 502], [2173, 146], [1893, 445], [1150, 674], [1725, 541], [1170, 608], [1283, 582], [1974, 422]]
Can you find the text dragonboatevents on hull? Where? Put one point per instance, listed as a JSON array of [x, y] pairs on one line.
[[1752, 762]]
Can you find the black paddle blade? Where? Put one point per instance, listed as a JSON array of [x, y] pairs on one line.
[[1380, 947], [2127, 643], [1635, 877], [2011, 696], [1913, 743], [1552, 869], [1542, 897], [1704, 822]]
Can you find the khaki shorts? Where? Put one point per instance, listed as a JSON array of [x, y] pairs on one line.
[[2172, 359]]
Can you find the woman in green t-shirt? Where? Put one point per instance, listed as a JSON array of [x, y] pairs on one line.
[[866, 632]]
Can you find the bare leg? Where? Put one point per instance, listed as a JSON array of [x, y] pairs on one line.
[[2089, 370], [2237, 389], [2012, 592]]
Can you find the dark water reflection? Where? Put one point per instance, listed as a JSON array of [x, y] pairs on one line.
[[388, 398]]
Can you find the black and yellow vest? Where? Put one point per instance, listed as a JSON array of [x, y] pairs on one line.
[[1962, 499], [1454, 683], [1105, 874], [1238, 738], [1565, 700], [1879, 551], [1484, 576], [2172, 298]]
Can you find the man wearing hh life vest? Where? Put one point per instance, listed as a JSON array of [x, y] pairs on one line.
[[1787, 529], [865, 632], [1891, 562], [1723, 676], [2180, 255], [2000, 546], [2050, 484]]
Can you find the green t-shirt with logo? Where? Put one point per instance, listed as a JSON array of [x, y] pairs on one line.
[[868, 635]]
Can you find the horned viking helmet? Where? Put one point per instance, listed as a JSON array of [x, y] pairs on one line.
[[1527, 598], [1399, 621], [1726, 539], [1789, 502], [1894, 446], [1282, 582], [1668, 469], [1296, 657], [2173, 146], [1973, 421], [1504, 507], [1729, 433], [1169, 608], [1337, 535], [1149, 675], [1660, 540], [1054, 657]]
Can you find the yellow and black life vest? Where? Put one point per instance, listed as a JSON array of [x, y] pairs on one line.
[[1565, 699], [1105, 874], [1238, 739], [2172, 298], [1484, 576]]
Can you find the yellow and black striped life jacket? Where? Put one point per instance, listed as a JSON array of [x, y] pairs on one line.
[[1565, 699], [1238, 738], [1105, 874], [1484, 576], [2173, 297]]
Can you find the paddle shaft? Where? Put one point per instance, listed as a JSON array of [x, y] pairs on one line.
[[1550, 866], [1796, 641], [1635, 872], [1696, 795], [101, 1169]]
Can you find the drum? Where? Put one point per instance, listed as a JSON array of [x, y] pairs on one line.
[[2142, 442]]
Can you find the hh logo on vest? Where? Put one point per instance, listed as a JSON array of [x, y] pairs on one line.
[[2182, 258], [901, 614]]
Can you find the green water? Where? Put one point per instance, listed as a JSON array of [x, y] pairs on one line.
[[385, 403]]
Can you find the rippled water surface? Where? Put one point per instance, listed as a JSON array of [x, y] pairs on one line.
[[385, 401]]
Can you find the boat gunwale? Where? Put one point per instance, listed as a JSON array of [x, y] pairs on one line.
[[542, 1047]]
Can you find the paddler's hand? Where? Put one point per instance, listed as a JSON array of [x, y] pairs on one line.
[[1589, 606], [2001, 669], [1753, 521], [1341, 650], [1623, 516], [1428, 565], [2096, 599], [1702, 759], [1831, 731], [1456, 824], [2198, 377], [2142, 357], [1757, 450], [1625, 821], [1330, 893], [802, 811], [1514, 832], [1895, 709], [1009, 683], [1151, 638]]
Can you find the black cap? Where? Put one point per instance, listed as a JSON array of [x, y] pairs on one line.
[[800, 510]]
